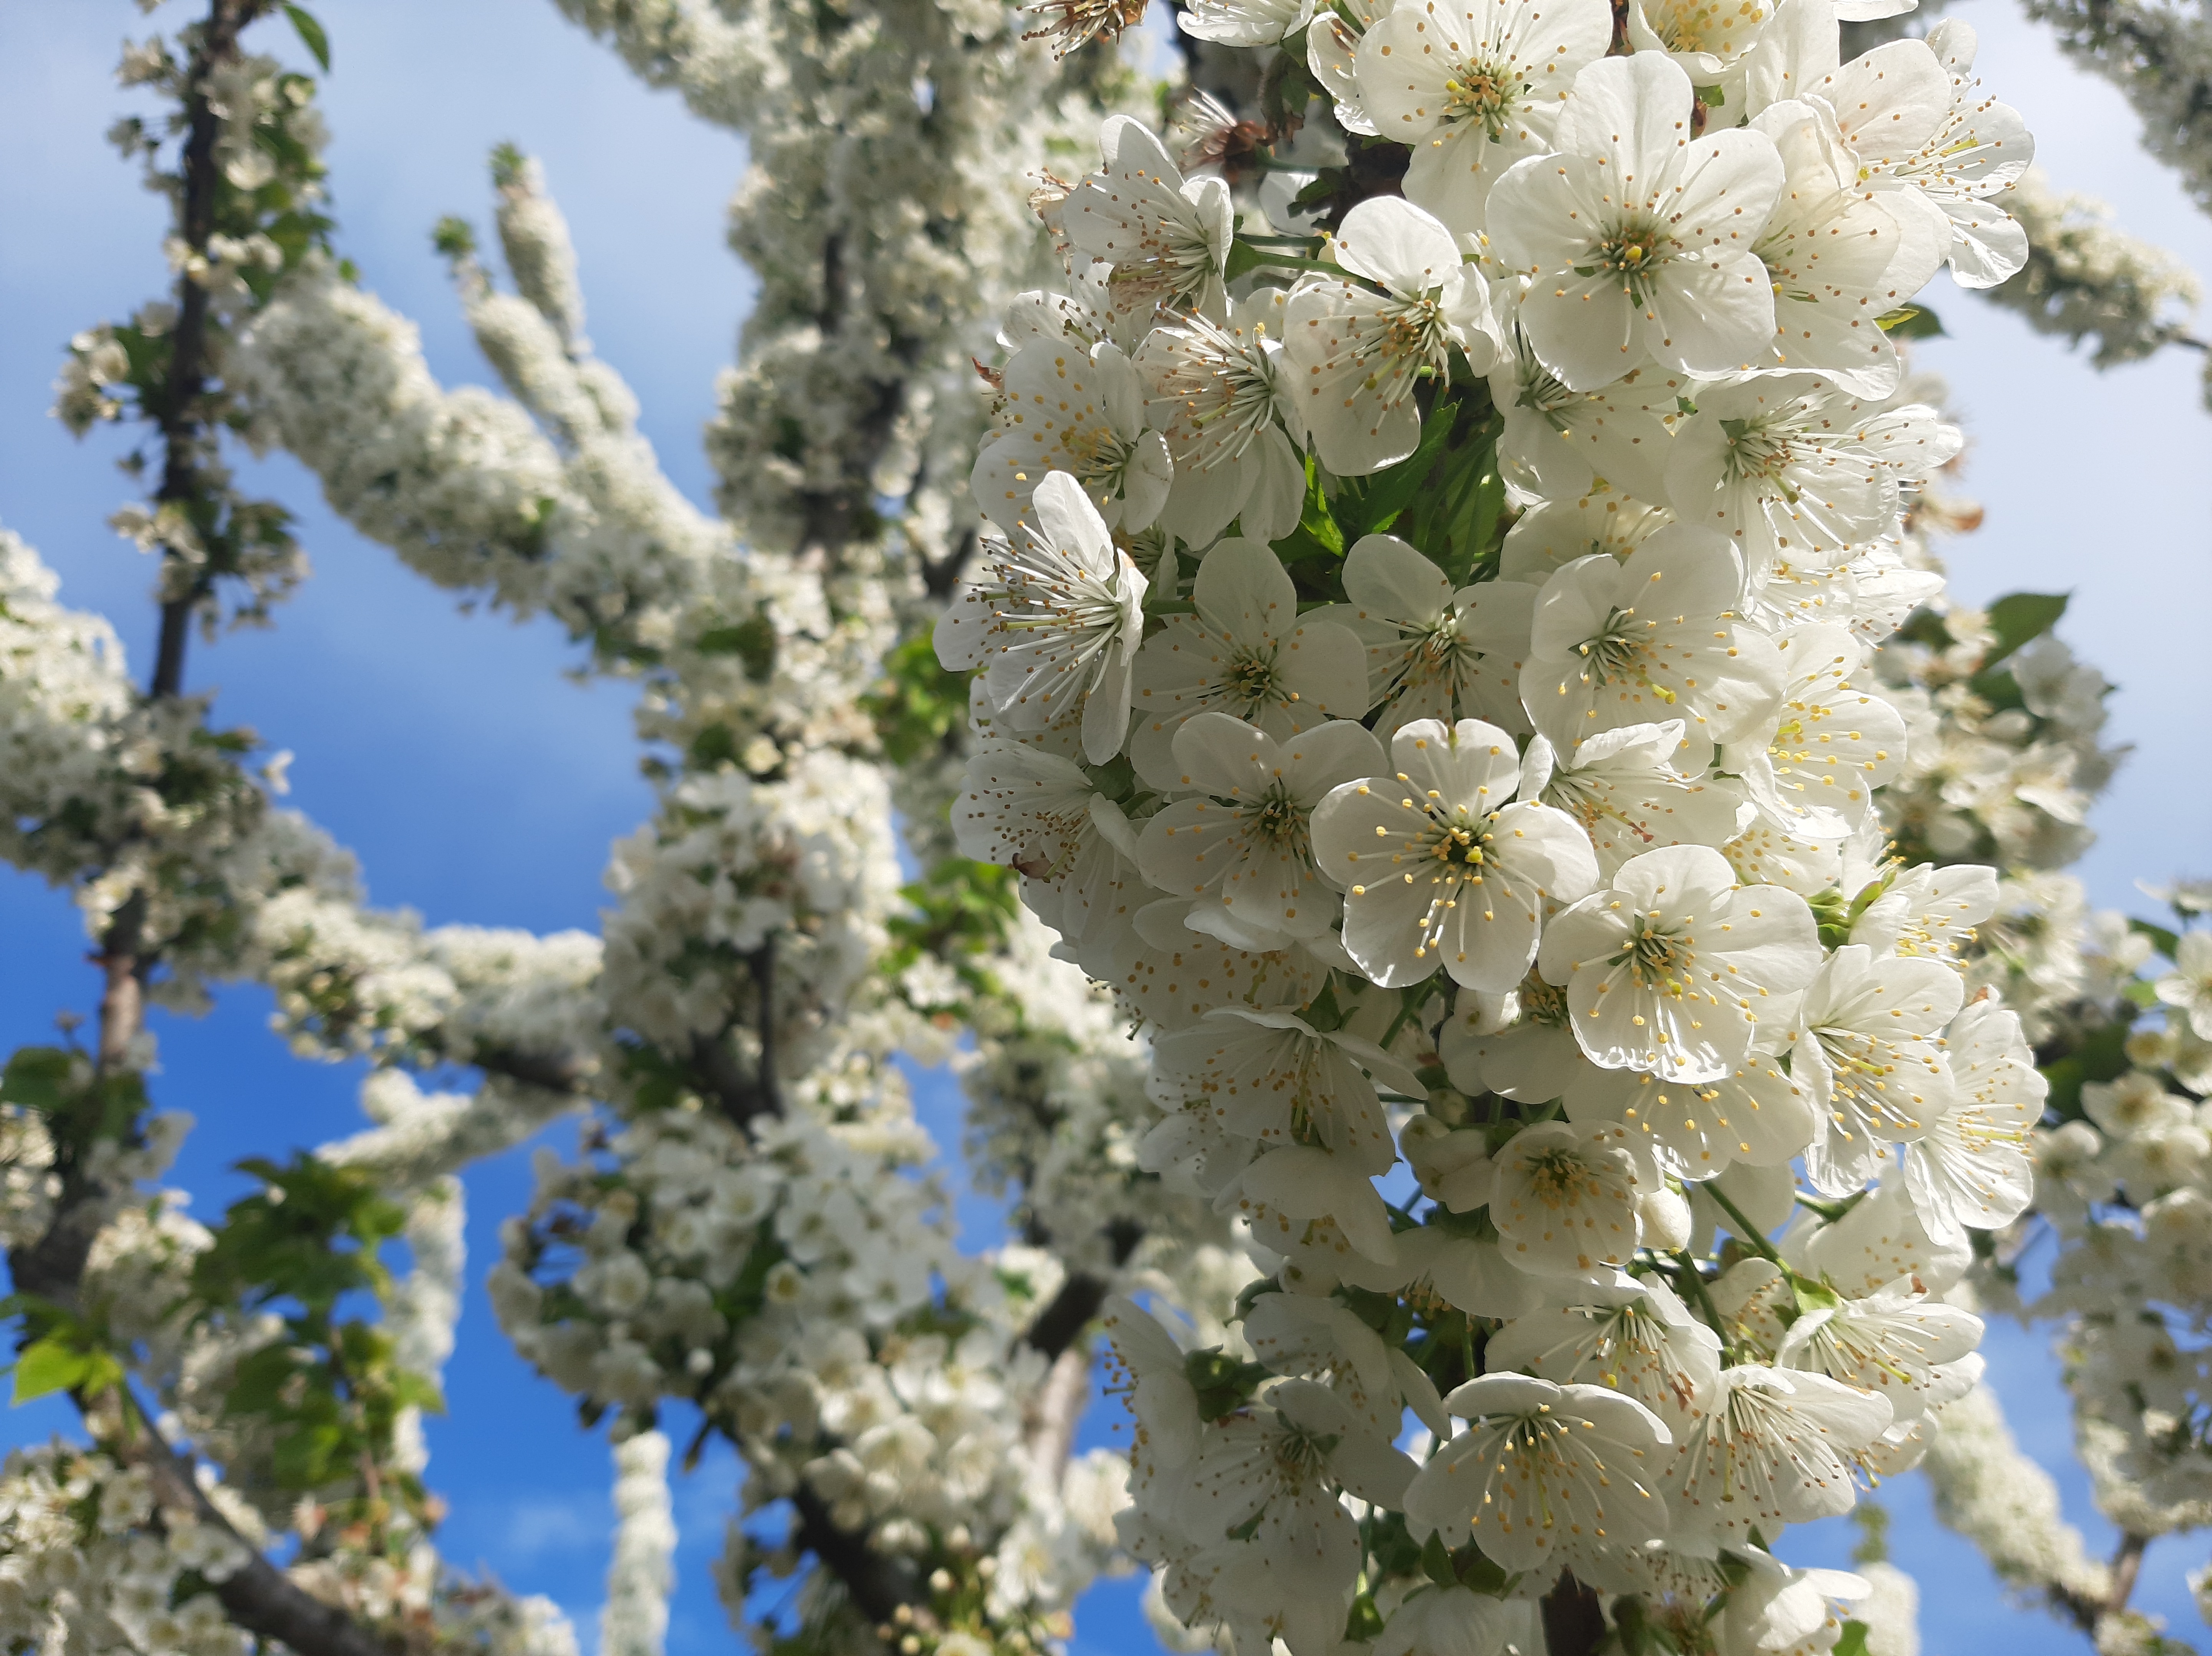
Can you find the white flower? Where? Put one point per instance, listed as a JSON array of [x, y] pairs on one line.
[[1520, 1044], [1773, 1447], [1972, 1169], [2188, 987], [1077, 411], [1297, 1334], [1437, 1621], [1166, 1407], [1793, 467], [1221, 398], [1244, 844], [1245, 22], [1623, 787], [1032, 810], [1892, 1343], [1167, 241], [1833, 745], [1288, 1192], [1173, 976], [1473, 86], [1056, 624], [1919, 125], [1879, 1240], [1840, 257], [1786, 1612], [1269, 1076], [1868, 1050], [1244, 651], [1333, 55], [1636, 1338], [1563, 446], [1545, 1477], [1268, 1476], [1356, 354], [1563, 1197], [1672, 968], [1433, 652], [1469, 1275], [1440, 867], [1637, 239], [1708, 40], [1654, 637], [1757, 1115]]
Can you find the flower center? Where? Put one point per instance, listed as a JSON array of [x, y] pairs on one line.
[[1226, 385], [1543, 1003], [1630, 252], [1251, 682], [1099, 459], [1414, 333], [1481, 94], [1705, 25], [1656, 957], [1757, 452], [1559, 1178], [1618, 651]]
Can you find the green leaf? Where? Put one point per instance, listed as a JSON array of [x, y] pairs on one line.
[[2100, 1055], [1854, 1642], [2020, 618], [917, 702], [752, 639], [1372, 506], [311, 34], [1316, 519], [1243, 260], [1437, 1562], [50, 1365], [1911, 322], [37, 1078], [2164, 940]]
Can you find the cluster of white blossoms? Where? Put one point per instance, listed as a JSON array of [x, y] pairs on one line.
[[1550, 868], [85, 1571], [1439, 679]]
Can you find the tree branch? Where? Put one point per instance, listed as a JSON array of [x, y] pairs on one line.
[[877, 1583], [258, 1597], [1574, 1618], [179, 415]]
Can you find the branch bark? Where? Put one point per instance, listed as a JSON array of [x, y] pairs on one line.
[[179, 415], [258, 1597], [1574, 1618], [877, 1583]]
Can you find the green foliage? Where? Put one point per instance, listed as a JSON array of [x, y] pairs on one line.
[[42, 1078], [2099, 1055], [1223, 1384], [752, 640], [311, 34], [330, 1387], [961, 913], [311, 1235], [59, 1352], [917, 703], [2020, 618], [1911, 322], [1854, 1642], [453, 237], [2164, 939]]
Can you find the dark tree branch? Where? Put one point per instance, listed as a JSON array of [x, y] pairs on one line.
[[258, 1598], [877, 1583], [1574, 1618], [180, 413]]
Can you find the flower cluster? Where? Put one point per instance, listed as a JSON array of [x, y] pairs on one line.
[[1429, 677]]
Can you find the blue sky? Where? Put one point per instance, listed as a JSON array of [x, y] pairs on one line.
[[479, 784]]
